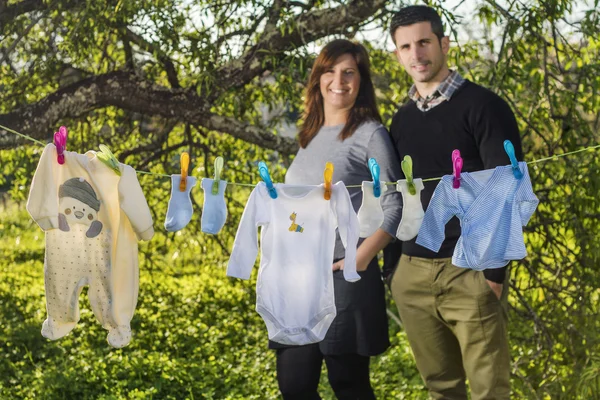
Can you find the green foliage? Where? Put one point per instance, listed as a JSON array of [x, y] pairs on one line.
[[196, 334]]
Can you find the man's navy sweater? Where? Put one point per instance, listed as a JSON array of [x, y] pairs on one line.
[[475, 121]]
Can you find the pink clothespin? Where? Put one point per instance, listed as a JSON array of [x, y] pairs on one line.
[[457, 164], [60, 141]]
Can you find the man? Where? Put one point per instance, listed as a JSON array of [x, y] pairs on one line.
[[455, 318]]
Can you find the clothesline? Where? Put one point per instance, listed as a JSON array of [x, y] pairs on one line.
[[554, 157]]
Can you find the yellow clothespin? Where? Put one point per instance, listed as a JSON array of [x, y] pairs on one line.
[[218, 168], [328, 175], [185, 163], [109, 159]]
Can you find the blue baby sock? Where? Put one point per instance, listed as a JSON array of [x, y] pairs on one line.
[[214, 211], [179, 211]]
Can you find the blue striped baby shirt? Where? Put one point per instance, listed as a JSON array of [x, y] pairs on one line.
[[492, 206]]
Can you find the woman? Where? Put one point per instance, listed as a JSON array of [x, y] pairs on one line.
[[342, 125]]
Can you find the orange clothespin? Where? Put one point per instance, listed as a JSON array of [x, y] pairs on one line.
[[185, 163], [328, 175]]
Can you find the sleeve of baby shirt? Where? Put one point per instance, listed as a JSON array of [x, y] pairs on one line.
[[442, 207], [245, 245], [348, 227], [134, 204], [527, 200], [42, 203]]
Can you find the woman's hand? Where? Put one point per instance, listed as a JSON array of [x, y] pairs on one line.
[[339, 265], [367, 251]]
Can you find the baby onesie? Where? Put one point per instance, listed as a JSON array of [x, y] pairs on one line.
[[92, 218], [492, 206], [294, 290]]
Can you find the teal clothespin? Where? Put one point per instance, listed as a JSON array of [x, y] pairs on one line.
[[510, 150], [375, 170], [109, 159], [264, 174], [407, 168], [218, 169]]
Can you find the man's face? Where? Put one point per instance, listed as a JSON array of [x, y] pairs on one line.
[[420, 52]]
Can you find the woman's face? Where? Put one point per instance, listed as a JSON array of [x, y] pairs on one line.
[[340, 84]]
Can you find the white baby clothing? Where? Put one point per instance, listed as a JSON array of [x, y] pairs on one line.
[[92, 218], [412, 210], [492, 206], [370, 213], [214, 209], [294, 290]]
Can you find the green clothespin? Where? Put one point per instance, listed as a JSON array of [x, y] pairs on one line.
[[407, 168], [218, 169], [109, 159]]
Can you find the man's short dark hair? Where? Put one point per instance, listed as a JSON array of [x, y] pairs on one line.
[[413, 14]]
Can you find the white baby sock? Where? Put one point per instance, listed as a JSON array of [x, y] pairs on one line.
[[179, 210], [370, 214], [412, 210], [214, 210]]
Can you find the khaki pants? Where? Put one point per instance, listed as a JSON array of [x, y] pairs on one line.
[[456, 327]]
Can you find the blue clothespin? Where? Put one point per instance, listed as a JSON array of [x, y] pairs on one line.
[[510, 150], [264, 174], [374, 168]]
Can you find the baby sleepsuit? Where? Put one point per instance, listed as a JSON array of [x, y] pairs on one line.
[[92, 218]]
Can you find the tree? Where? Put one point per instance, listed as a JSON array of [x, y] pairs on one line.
[[152, 78], [144, 59]]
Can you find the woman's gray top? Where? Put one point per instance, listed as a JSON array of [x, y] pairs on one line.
[[350, 161]]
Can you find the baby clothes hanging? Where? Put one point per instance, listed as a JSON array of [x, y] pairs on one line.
[[294, 291], [492, 206], [370, 214], [412, 209], [93, 219], [179, 209], [214, 209]]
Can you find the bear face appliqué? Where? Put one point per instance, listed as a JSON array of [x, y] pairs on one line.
[[78, 204]]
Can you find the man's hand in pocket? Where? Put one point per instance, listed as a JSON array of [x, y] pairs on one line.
[[496, 288]]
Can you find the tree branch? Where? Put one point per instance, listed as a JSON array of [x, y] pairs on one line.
[[6, 53], [307, 28], [161, 138], [11, 12], [160, 55], [124, 90]]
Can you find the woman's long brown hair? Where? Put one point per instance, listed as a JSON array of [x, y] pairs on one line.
[[365, 107]]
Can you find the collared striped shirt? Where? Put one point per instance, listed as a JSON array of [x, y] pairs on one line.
[[443, 92]]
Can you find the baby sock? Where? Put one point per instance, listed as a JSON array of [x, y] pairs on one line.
[[179, 211], [412, 210], [214, 210], [370, 214]]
